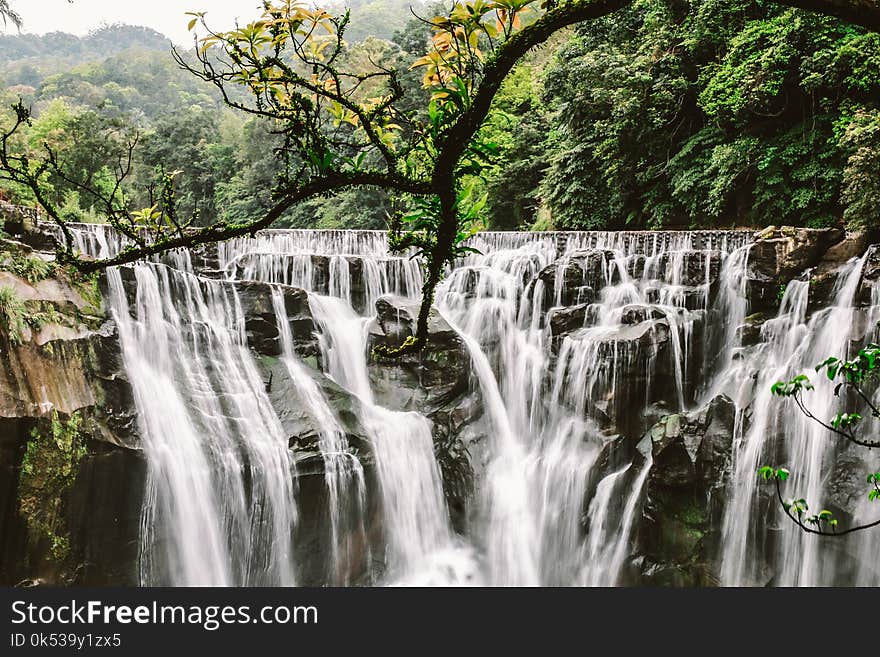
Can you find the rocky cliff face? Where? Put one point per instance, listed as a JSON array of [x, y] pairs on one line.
[[63, 390], [71, 479], [681, 532]]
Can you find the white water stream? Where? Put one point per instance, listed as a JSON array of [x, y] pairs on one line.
[[566, 353]]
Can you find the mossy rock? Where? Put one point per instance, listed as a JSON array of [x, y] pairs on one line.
[[48, 472]]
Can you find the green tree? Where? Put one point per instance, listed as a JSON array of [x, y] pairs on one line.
[[723, 112], [188, 141], [343, 129]]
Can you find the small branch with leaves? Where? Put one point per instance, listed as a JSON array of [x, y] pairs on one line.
[[823, 523], [852, 376]]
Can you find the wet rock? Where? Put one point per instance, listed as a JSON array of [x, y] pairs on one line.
[[853, 245], [100, 515], [825, 278], [635, 266], [575, 278], [869, 286], [690, 298], [72, 300], [693, 449], [70, 375], [615, 361], [290, 267], [104, 517], [715, 446], [315, 271], [304, 435], [70, 364], [363, 543], [299, 422], [437, 383], [688, 268], [682, 513], [205, 260], [749, 332], [871, 272], [636, 314], [673, 465], [261, 322], [440, 370], [779, 255], [563, 320]]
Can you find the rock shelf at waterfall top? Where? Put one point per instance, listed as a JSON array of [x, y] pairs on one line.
[[590, 410]]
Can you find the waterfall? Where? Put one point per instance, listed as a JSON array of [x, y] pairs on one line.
[[343, 473], [220, 506], [576, 342], [547, 437], [792, 344], [810, 449], [416, 519], [606, 548]]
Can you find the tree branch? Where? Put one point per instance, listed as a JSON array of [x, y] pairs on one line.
[[222, 231], [870, 444], [456, 139], [819, 532], [858, 12]]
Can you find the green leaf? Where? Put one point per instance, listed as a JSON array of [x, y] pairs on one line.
[[828, 361]]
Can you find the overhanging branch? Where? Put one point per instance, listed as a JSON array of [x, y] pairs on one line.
[[858, 12], [224, 231]]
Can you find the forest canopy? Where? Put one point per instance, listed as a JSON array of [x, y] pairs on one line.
[[664, 114]]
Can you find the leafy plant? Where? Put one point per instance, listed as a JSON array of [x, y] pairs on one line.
[[664, 114], [852, 375], [29, 267], [713, 113], [13, 315]]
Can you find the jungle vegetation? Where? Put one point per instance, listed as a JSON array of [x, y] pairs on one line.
[[507, 114]]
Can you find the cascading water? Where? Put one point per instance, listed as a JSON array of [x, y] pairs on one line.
[[577, 343], [220, 506], [792, 345], [343, 473], [417, 525], [546, 446], [606, 549], [419, 541]]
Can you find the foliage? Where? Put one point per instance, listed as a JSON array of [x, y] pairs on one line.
[[665, 113], [25, 265], [58, 47], [48, 471], [715, 112], [342, 120], [13, 315], [852, 376], [861, 187]]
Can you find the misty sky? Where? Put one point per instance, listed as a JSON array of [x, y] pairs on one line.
[[166, 16]]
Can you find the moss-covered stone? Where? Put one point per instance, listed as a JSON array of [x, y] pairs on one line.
[[48, 471]]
